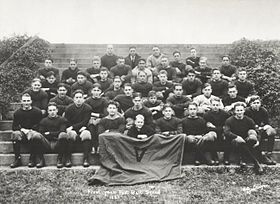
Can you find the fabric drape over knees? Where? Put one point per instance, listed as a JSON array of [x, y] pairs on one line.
[[85, 135], [63, 136], [251, 140], [238, 141], [270, 131], [210, 136], [17, 135], [72, 135]]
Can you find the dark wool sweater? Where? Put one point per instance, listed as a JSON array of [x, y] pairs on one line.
[[113, 125], [105, 84], [86, 87], [234, 127], [125, 102], [123, 70], [172, 125], [98, 105], [53, 125], [145, 130], [166, 88], [171, 72], [78, 116], [227, 101], [194, 62], [194, 126], [132, 113], [143, 88], [52, 88], [245, 88], [39, 99], [178, 104], [205, 73], [111, 94], [181, 66], [109, 61], [228, 70], [219, 88], [69, 73], [44, 71], [62, 103], [28, 119], [260, 117], [192, 87]]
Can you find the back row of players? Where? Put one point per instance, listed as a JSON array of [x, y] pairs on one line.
[[140, 99]]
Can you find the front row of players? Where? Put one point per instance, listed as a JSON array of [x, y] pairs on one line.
[[217, 130]]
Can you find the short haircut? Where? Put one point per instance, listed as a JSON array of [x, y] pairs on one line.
[[36, 80], [63, 85], [50, 73], [73, 60], [132, 47], [231, 85], [117, 77], [77, 92], [139, 117], [206, 85], [164, 57], [215, 99], [52, 104], [141, 71], [120, 57], [136, 94], [167, 105], [155, 46], [215, 69], [26, 95], [96, 85], [241, 69], [152, 94], [203, 59], [176, 52], [104, 69], [48, 58], [115, 103], [127, 84], [141, 60], [177, 84], [96, 58], [82, 73], [192, 104], [191, 71], [192, 48], [239, 104], [254, 98], [163, 72], [226, 56]]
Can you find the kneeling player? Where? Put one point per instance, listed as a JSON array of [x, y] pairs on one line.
[[198, 135]]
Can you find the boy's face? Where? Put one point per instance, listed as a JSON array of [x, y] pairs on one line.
[[132, 51], [96, 64], [73, 65], [110, 49], [26, 102], [215, 106], [164, 62], [139, 123], [95, 92], [202, 63], [78, 99], [156, 51], [239, 111], [178, 90], [192, 109], [51, 79], [242, 75], [112, 110], [52, 111], [81, 79], [167, 112], [193, 53], [120, 62], [62, 91], [117, 83], [128, 90], [225, 61], [103, 74], [207, 91], [162, 78], [216, 75], [48, 63], [141, 64], [137, 102], [256, 104], [177, 57], [142, 77], [36, 86], [232, 92], [152, 99], [191, 76]]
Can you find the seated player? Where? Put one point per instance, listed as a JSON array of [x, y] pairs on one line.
[[197, 134], [115, 89], [82, 84], [203, 72], [38, 96], [141, 67], [25, 127], [61, 99], [240, 131], [231, 98], [168, 125], [204, 100], [98, 106], [179, 66], [93, 72], [193, 60], [104, 81], [178, 101], [219, 86], [133, 58], [140, 129], [244, 87], [171, 71], [109, 59], [154, 60], [228, 71], [191, 85], [260, 116], [139, 108], [78, 115], [48, 66], [69, 76], [163, 87], [122, 70], [215, 119], [154, 105], [54, 136], [50, 85], [142, 85], [125, 100], [113, 122]]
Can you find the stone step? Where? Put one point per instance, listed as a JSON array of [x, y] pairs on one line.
[[5, 135], [6, 124], [50, 159]]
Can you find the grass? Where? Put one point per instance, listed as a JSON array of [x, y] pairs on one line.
[[198, 185]]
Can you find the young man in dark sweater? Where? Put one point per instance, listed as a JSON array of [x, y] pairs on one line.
[[115, 89], [82, 84], [50, 85], [244, 87], [98, 106], [171, 71], [193, 60], [25, 127], [140, 129], [219, 86], [104, 81], [163, 87], [228, 71], [260, 116], [61, 99], [178, 101], [215, 119], [154, 105], [142, 85], [113, 122], [122, 70], [203, 72], [93, 72], [125, 100], [240, 131], [78, 115], [198, 135], [109, 59], [168, 125], [69, 76], [48, 66], [231, 98], [179, 66], [54, 136], [191, 85]]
